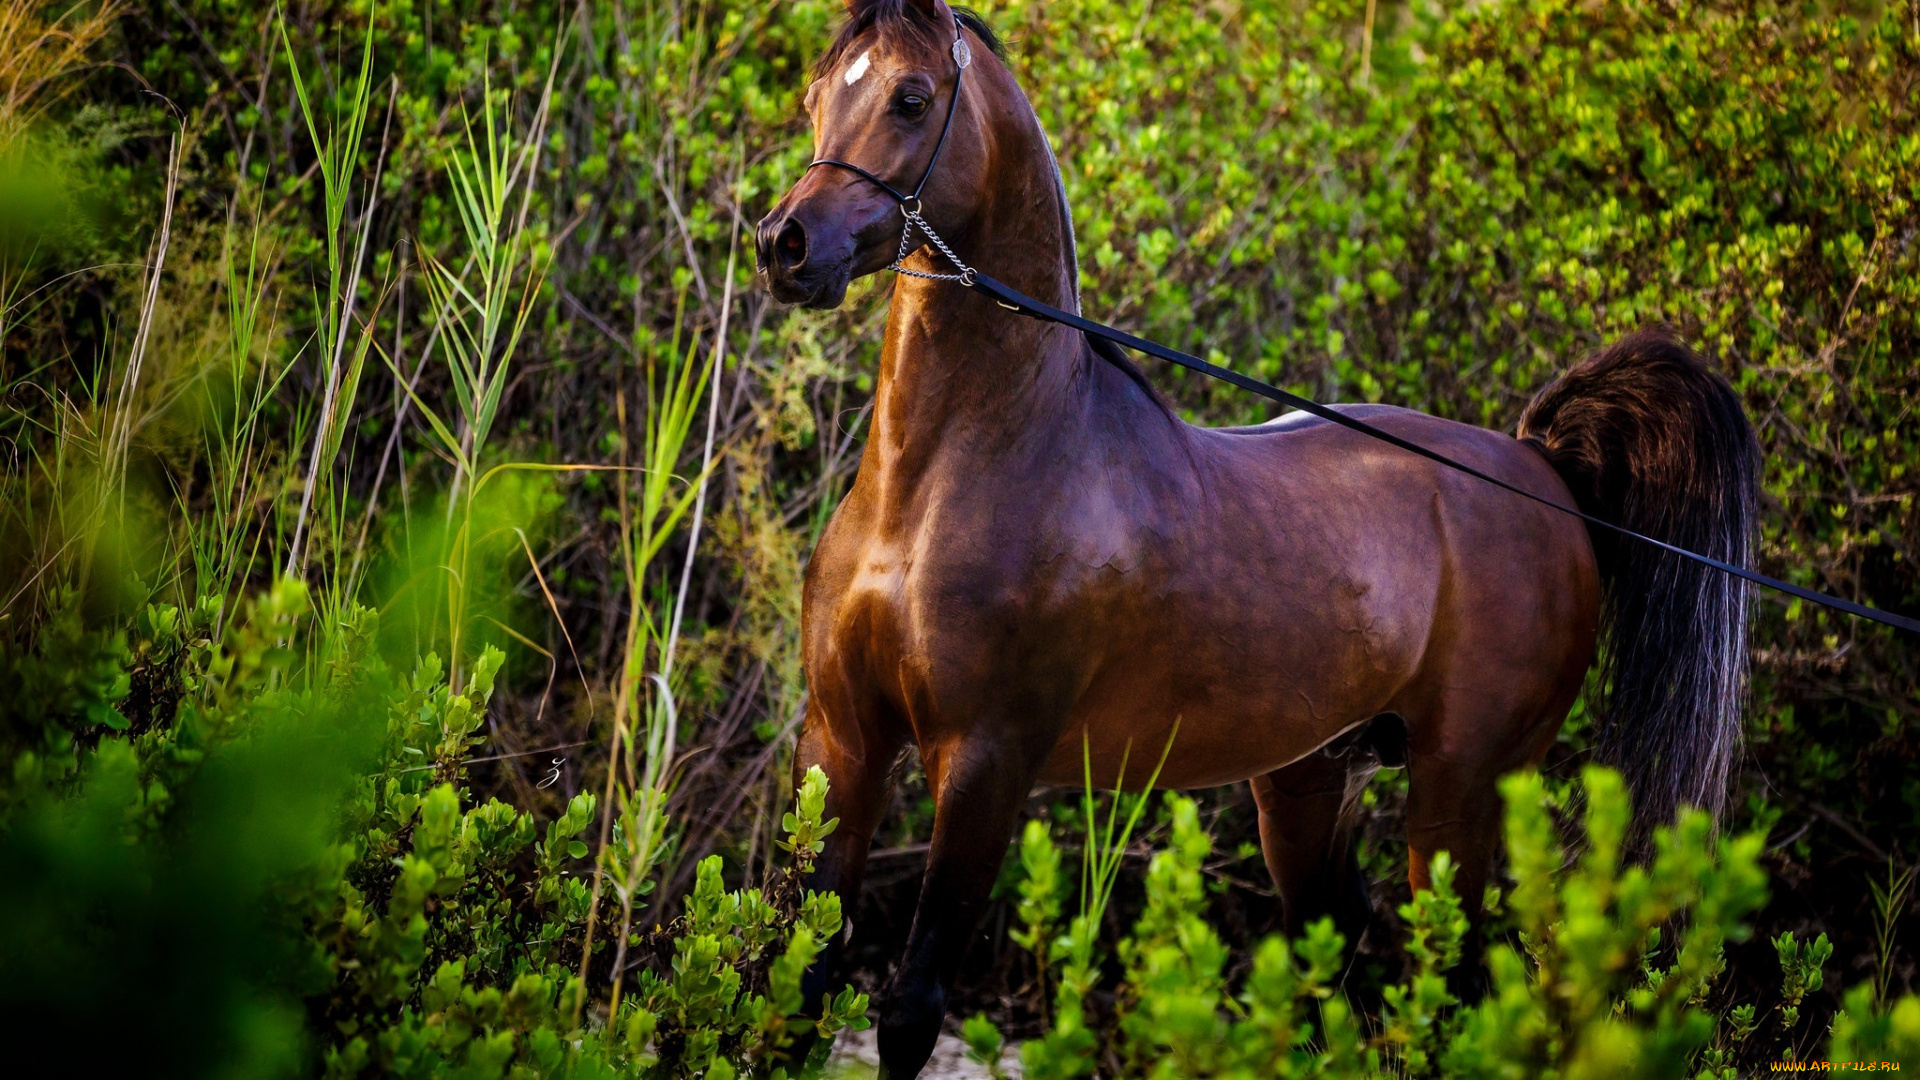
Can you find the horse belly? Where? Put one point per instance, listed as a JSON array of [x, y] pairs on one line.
[[1223, 706]]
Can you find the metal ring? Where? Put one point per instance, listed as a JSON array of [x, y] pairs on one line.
[[912, 211], [966, 277]]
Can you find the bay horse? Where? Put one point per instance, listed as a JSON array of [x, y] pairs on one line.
[[1038, 555]]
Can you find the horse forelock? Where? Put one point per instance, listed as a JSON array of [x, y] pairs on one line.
[[909, 21]]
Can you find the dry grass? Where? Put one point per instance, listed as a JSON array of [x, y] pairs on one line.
[[38, 52]]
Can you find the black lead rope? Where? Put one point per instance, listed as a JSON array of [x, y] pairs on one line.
[[1022, 304]]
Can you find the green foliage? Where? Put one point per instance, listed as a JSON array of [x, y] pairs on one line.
[[71, 678], [1889, 902], [1042, 894], [535, 215], [151, 879], [442, 963], [1065, 1049], [1174, 963], [1582, 1002], [1417, 1011], [260, 854], [727, 1003], [1863, 1032], [984, 1045], [1801, 964], [1589, 992], [804, 824]]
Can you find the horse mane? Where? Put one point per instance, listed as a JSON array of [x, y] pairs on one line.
[[1117, 356], [903, 17]]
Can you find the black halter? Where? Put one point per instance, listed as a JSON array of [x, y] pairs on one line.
[[1019, 303], [910, 204]]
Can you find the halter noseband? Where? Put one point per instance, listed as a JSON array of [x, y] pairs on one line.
[[910, 204]]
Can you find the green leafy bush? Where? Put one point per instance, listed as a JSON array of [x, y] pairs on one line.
[[444, 961], [1586, 988], [143, 878], [267, 879]]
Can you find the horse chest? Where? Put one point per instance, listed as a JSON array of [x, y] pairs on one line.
[[940, 590], [943, 615]]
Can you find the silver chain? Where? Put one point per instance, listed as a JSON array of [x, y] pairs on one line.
[[915, 221]]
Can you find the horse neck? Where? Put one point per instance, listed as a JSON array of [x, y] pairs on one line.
[[960, 372]]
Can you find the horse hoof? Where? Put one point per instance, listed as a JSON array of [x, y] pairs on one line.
[[908, 1032]]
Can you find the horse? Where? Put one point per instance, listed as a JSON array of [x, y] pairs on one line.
[[1039, 560]]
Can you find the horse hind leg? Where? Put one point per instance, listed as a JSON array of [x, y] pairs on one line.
[[1455, 762], [1308, 814]]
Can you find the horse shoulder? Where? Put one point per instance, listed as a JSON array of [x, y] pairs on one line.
[[851, 581]]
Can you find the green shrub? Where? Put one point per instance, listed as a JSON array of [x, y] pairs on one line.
[[145, 879], [446, 961], [1585, 988], [266, 879]]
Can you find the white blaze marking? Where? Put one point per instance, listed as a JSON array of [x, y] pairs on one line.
[[859, 67]]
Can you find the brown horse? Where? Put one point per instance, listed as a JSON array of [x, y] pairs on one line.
[[1038, 552]]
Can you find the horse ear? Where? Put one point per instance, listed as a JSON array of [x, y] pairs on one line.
[[936, 10]]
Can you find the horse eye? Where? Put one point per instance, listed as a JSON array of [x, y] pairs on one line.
[[911, 104]]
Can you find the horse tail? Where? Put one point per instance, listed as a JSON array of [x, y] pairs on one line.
[[1651, 439]]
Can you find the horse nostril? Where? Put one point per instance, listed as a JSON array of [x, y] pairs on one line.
[[763, 247], [791, 244]]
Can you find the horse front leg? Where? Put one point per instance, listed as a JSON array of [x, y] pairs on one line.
[[979, 786], [858, 759]]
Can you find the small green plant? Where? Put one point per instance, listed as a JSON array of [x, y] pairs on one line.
[[237, 395], [807, 824], [1889, 904], [1065, 1050], [1171, 1020], [1800, 965], [726, 1001], [338, 151], [1042, 892], [1420, 1020], [480, 310], [984, 1045]]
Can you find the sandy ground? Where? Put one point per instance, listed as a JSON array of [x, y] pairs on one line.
[[856, 1056]]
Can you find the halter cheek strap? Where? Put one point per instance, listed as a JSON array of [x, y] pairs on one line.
[[910, 204]]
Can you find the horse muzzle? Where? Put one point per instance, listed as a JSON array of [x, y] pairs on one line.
[[803, 264]]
